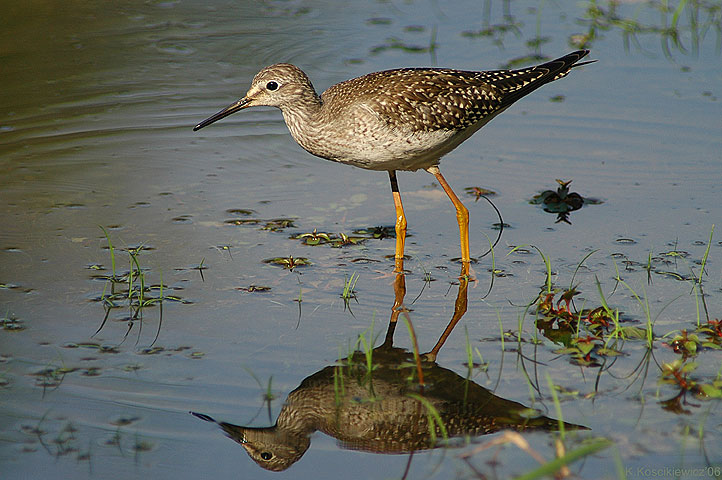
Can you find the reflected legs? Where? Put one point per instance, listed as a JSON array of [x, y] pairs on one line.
[[460, 307], [459, 311]]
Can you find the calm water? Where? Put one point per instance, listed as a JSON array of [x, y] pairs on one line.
[[97, 106]]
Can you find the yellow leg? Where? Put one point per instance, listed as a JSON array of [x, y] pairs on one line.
[[400, 223], [462, 217]]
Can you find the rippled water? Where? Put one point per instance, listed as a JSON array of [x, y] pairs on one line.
[[96, 111]]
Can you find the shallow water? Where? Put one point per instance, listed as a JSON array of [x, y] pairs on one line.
[[98, 103]]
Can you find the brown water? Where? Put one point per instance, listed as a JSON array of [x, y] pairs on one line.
[[96, 111]]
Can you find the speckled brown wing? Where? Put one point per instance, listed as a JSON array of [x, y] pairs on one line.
[[450, 100], [427, 99], [420, 99]]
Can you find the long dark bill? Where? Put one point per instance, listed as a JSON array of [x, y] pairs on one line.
[[230, 109]]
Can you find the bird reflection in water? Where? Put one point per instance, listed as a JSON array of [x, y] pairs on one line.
[[386, 409]]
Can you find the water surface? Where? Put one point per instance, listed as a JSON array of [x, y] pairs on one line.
[[98, 102]]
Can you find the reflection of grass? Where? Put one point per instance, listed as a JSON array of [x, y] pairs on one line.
[[702, 18], [680, 27], [394, 43], [268, 395], [61, 438]]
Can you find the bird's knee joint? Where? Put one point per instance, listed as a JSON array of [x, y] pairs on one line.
[[462, 214]]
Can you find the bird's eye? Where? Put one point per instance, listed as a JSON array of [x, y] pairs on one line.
[[266, 455], [272, 85]]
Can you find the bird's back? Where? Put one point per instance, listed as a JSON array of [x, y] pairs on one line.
[[408, 118], [428, 99]]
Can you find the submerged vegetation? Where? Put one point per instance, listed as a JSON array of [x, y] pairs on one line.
[[569, 319], [129, 290], [593, 335], [639, 335]]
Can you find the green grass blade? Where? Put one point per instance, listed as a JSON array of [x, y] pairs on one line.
[[112, 250], [434, 418], [553, 466], [557, 406]]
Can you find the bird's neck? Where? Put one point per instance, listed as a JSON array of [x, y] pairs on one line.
[[303, 118]]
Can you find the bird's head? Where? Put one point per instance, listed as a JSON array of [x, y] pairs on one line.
[[281, 85]]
